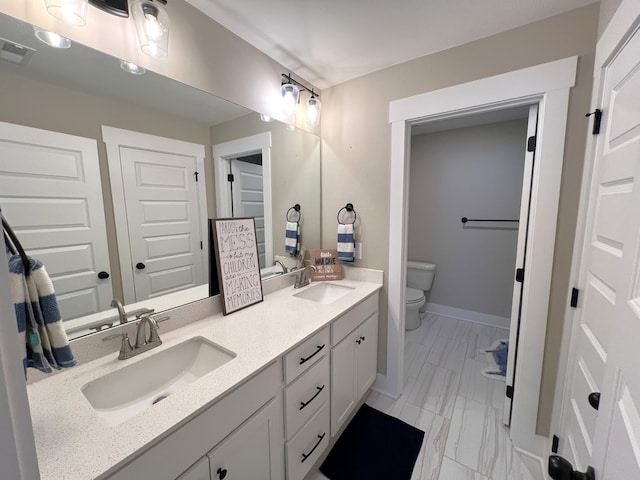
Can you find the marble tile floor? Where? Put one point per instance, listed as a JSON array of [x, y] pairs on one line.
[[459, 410]]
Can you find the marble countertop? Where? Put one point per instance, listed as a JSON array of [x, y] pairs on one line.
[[73, 442]]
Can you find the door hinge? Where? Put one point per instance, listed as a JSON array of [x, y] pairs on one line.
[[196, 175], [575, 293], [597, 120], [509, 391], [531, 144], [230, 177], [555, 444], [520, 275]]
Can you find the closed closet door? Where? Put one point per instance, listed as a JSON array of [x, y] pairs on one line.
[[159, 204], [50, 193], [248, 198]]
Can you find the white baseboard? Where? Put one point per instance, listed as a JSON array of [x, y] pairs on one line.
[[468, 315]]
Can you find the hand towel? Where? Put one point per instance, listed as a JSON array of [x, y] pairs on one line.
[[292, 238], [346, 242], [39, 320]]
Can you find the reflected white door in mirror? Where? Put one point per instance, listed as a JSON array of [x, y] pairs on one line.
[[51, 195], [160, 212]]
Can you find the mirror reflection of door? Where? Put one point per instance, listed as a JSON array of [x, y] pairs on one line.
[[50, 194], [160, 210], [246, 191]]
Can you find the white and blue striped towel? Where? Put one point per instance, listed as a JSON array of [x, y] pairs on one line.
[[39, 321], [292, 238], [346, 242]]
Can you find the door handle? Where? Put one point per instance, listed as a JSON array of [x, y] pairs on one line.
[[594, 400], [103, 275], [140, 266], [561, 469]]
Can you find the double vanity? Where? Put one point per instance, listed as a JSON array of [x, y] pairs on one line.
[[259, 393]]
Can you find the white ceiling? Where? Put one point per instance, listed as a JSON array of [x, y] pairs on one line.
[[332, 41]]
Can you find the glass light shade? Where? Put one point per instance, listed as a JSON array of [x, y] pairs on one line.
[[131, 68], [152, 25], [290, 95], [73, 12], [52, 39], [313, 110], [266, 118]]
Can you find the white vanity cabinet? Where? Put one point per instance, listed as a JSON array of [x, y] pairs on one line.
[[353, 359], [306, 400], [241, 433]]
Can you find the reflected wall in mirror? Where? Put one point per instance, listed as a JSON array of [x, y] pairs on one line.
[[67, 185]]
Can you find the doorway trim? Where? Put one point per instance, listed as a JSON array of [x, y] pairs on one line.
[[548, 85], [259, 143]]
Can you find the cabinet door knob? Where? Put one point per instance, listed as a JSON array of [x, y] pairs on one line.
[[222, 473], [594, 400]]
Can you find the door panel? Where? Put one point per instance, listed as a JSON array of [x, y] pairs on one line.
[[163, 216], [51, 195], [606, 354]]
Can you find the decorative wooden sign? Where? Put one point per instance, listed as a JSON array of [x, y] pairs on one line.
[[327, 263], [238, 266]]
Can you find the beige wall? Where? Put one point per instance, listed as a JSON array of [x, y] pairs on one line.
[[202, 53], [356, 144], [295, 174], [607, 9]]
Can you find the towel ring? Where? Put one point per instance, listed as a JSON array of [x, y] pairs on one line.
[[349, 208], [295, 208]]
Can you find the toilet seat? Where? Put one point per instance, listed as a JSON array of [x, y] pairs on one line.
[[413, 295]]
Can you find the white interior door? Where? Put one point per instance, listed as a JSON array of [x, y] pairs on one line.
[[163, 217], [604, 355], [248, 198], [160, 210], [523, 229], [50, 194]]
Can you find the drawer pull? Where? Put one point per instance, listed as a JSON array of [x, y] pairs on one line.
[[303, 404], [307, 455], [319, 347]]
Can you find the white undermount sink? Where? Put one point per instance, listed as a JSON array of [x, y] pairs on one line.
[[324, 292], [128, 391]]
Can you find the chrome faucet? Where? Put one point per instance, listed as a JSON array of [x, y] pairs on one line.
[[121, 313], [143, 343], [303, 277], [278, 262]]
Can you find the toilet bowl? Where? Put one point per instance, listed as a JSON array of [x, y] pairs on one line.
[[419, 280]]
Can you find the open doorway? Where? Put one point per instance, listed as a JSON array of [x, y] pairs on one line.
[[547, 85]]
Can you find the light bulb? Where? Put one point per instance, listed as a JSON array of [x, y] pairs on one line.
[[152, 25], [290, 94], [313, 110]]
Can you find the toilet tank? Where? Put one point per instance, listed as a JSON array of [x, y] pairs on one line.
[[420, 275]]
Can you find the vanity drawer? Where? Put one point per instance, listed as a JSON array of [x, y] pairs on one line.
[[348, 322], [308, 444], [306, 395], [306, 354]]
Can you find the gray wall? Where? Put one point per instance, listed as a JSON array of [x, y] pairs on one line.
[[473, 172], [356, 146]]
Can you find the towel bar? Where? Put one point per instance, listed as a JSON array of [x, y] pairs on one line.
[[349, 208], [465, 220], [295, 208]]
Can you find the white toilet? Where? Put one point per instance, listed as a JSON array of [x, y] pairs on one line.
[[419, 279]]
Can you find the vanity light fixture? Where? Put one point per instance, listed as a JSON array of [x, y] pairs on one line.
[[152, 25], [132, 68], [52, 39], [313, 109], [290, 92], [73, 12]]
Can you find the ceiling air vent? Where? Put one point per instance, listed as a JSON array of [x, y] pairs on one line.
[[14, 52]]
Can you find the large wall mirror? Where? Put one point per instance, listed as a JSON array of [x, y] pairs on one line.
[[108, 177]]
